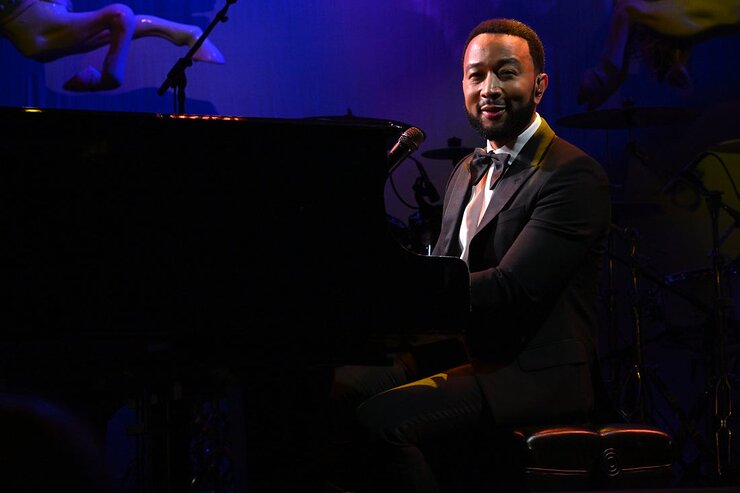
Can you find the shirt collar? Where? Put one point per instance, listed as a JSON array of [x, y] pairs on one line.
[[520, 140]]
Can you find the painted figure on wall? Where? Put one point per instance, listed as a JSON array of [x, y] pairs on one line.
[[46, 30], [661, 34]]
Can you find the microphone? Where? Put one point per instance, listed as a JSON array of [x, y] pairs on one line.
[[408, 142]]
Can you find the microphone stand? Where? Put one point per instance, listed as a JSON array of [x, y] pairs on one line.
[[176, 76], [429, 212]]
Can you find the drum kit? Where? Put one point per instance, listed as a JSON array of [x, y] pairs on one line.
[[639, 380]]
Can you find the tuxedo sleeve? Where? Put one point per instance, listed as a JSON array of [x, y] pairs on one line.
[[557, 227]]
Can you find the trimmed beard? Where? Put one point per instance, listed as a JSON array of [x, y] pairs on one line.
[[510, 130]]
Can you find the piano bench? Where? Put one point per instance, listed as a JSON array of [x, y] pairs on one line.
[[584, 457]]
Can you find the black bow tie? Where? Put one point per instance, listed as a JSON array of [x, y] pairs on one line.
[[482, 160]]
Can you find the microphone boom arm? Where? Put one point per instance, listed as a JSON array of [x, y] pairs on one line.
[[176, 76]]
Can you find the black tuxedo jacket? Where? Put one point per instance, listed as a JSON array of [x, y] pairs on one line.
[[535, 264]]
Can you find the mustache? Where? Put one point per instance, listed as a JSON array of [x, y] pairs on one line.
[[491, 102]]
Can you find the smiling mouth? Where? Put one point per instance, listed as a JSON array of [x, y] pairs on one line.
[[492, 111]]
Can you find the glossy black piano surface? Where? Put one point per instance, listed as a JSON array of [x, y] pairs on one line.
[[260, 234]]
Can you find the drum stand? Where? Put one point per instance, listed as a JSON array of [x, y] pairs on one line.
[[721, 387], [635, 410], [637, 371], [633, 392]]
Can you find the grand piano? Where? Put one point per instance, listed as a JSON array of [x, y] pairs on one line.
[[142, 248]]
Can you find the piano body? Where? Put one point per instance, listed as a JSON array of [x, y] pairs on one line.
[[163, 245]]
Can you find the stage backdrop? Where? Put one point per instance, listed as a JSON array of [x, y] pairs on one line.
[[394, 59], [391, 59], [401, 60]]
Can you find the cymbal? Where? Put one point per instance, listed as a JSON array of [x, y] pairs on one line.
[[629, 117], [728, 146], [448, 153]]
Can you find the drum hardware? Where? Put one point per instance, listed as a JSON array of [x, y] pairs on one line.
[[728, 146], [629, 116], [453, 152], [722, 388], [425, 223], [637, 371], [639, 375], [732, 269]]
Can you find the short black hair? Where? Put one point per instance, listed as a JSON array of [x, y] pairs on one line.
[[514, 28]]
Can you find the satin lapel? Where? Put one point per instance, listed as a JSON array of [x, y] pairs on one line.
[[526, 163], [448, 241]]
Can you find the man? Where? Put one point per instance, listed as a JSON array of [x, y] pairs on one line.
[[533, 232]]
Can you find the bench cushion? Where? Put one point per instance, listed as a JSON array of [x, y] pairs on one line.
[[582, 457]]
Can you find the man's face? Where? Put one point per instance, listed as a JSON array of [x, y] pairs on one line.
[[500, 86]]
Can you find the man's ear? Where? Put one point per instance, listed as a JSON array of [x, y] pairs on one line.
[[540, 84]]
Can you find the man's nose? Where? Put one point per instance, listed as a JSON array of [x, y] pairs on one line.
[[492, 85]]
